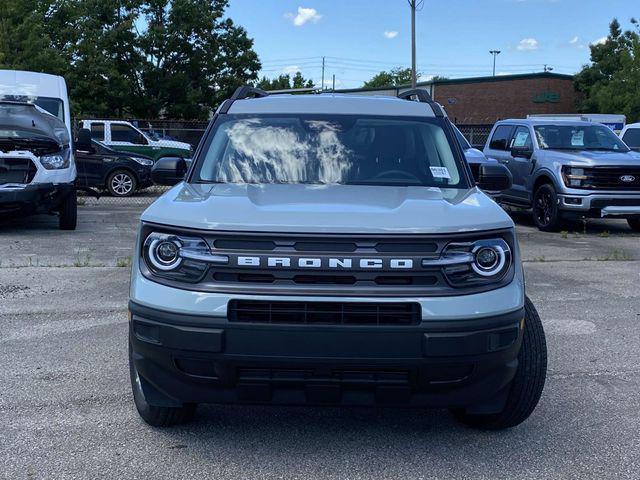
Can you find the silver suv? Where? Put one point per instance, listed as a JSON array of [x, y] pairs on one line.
[[331, 249], [567, 169]]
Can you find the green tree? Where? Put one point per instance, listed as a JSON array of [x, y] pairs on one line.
[[611, 82], [284, 82], [392, 78], [144, 58]]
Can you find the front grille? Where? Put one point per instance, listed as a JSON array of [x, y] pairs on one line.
[[16, 170], [333, 265], [610, 178], [323, 313]]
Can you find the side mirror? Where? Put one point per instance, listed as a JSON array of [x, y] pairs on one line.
[[169, 171], [522, 152], [83, 142], [494, 177]]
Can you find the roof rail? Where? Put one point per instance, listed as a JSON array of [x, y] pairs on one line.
[[240, 94], [422, 96]]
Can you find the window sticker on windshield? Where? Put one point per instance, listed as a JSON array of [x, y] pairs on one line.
[[440, 172], [577, 138], [521, 139]]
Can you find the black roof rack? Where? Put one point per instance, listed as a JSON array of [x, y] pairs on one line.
[[240, 94], [423, 97]]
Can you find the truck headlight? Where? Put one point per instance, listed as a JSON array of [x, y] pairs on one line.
[[573, 176], [56, 161], [475, 263], [178, 257]]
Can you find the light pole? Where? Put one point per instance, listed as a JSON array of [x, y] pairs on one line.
[[495, 53], [412, 4]]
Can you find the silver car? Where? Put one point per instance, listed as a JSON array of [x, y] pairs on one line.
[[566, 169]]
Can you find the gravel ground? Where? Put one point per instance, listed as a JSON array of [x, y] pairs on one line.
[[66, 409]]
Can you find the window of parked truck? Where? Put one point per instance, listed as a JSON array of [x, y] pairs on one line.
[[125, 133], [632, 137], [500, 138], [522, 138], [97, 131], [578, 137], [323, 149]]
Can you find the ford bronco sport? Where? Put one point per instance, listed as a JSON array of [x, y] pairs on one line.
[[331, 249]]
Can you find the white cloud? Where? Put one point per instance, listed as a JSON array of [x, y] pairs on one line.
[[390, 34], [291, 69], [304, 15], [527, 44], [600, 41], [574, 40]]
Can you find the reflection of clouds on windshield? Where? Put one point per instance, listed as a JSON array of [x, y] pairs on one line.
[[268, 153]]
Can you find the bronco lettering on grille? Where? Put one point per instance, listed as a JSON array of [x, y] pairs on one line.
[[327, 263]]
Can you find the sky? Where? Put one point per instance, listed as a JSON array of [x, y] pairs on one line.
[[359, 38]]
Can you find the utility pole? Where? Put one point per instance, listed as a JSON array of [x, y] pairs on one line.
[[412, 4], [495, 53], [322, 85], [333, 83]]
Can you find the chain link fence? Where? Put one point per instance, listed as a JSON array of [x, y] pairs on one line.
[[173, 133]]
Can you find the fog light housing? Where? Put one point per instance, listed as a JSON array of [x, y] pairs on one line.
[[572, 201]]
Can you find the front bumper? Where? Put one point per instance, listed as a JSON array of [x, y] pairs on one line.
[[208, 359], [33, 198], [601, 204]]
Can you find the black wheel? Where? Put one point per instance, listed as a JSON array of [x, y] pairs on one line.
[[634, 223], [68, 218], [157, 416], [528, 383], [121, 183], [546, 214]]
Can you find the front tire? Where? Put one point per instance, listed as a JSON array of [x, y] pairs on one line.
[[634, 223], [121, 183], [527, 385], [152, 415], [68, 218], [546, 214]]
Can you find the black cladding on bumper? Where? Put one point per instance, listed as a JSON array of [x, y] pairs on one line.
[[453, 363]]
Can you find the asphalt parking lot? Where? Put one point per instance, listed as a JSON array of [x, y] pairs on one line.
[[66, 409]]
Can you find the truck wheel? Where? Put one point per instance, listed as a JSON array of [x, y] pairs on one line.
[[546, 214], [526, 387], [68, 218], [634, 223], [157, 416], [121, 183]]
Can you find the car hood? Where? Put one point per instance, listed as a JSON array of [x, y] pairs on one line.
[[19, 119], [326, 209], [593, 158], [172, 144]]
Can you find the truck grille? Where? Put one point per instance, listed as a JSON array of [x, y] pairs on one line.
[[324, 313], [610, 178], [16, 170]]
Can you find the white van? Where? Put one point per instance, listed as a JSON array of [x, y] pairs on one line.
[[37, 166]]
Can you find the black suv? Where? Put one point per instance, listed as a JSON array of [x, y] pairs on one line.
[[99, 166]]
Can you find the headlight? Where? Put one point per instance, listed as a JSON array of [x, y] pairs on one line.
[[573, 176], [178, 257], [143, 161], [474, 263], [56, 161]]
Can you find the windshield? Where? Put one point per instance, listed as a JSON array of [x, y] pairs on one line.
[[52, 105], [343, 149], [578, 137]]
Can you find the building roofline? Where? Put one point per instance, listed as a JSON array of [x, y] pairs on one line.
[[453, 81]]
